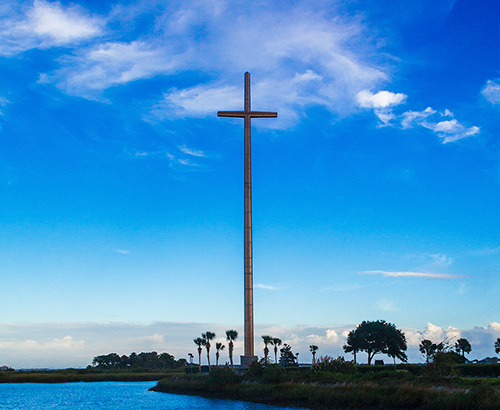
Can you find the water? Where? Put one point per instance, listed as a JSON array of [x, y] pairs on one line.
[[109, 395]]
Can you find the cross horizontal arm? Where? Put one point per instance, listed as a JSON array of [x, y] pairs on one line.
[[240, 114], [263, 114], [251, 114]]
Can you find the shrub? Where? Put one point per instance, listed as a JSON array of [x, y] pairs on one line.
[[338, 365], [222, 377], [274, 374]]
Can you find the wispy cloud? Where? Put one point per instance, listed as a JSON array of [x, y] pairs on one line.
[[266, 287], [109, 64], [307, 56], [44, 25], [3, 103], [493, 251], [451, 130], [491, 91], [183, 162], [411, 274], [387, 306], [57, 25], [447, 128], [122, 251], [192, 152]]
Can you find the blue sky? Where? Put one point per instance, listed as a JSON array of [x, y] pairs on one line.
[[376, 191]]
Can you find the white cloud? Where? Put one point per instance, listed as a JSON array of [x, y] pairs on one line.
[[409, 118], [381, 103], [61, 26], [3, 103], [306, 57], [44, 25], [452, 130], [387, 306], [266, 287], [122, 251], [57, 345], [182, 162], [439, 259], [448, 130], [192, 152], [110, 64], [491, 91], [382, 99], [31, 345], [198, 101], [411, 274]]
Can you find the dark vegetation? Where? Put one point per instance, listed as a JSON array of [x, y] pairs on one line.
[[84, 375], [337, 383], [445, 382], [142, 361], [375, 337], [145, 366]]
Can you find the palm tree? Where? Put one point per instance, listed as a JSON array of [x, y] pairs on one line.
[[199, 342], [427, 348], [313, 350], [206, 338], [497, 346], [276, 342], [463, 345], [267, 340], [231, 335], [218, 348]]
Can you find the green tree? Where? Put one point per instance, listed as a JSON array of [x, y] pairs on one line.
[[353, 344], [276, 342], [375, 337], [218, 348], [108, 361], [199, 342], [267, 341], [463, 346], [206, 341], [428, 349], [287, 358], [167, 361], [497, 346], [231, 336], [313, 349], [396, 344]]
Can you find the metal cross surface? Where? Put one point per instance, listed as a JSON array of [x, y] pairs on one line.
[[248, 114]]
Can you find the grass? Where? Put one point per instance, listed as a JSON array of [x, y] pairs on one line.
[[83, 375], [382, 390]]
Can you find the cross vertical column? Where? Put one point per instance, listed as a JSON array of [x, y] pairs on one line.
[[248, 114], [249, 333]]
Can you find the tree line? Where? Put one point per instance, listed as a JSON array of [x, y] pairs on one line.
[[143, 360]]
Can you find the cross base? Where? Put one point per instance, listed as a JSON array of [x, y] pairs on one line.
[[246, 361]]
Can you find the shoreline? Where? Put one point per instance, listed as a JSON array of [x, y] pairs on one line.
[[80, 375], [338, 395]]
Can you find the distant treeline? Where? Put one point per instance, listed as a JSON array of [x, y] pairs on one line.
[[143, 360]]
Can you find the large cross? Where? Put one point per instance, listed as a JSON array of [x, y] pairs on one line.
[[248, 114]]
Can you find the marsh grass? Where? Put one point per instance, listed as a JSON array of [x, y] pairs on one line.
[[388, 389], [81, 375]]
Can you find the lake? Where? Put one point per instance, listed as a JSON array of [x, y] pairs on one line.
[[109, 395]]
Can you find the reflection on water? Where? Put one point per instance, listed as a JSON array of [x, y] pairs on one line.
[[109, 395]]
